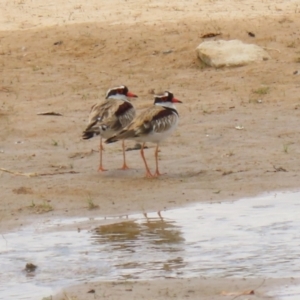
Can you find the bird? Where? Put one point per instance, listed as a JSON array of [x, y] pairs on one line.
[[109, 117], [153, 125]]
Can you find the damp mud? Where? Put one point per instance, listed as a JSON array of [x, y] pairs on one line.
[[249, 238]]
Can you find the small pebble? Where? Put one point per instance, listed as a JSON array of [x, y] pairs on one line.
[[30, 267]]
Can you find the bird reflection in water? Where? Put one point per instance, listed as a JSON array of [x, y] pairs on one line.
[[138, 244]]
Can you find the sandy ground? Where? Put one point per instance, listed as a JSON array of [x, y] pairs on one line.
[[63, 57], [192, 289]]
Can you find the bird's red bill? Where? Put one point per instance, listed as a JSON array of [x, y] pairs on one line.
[[176, 100], [129, 94]]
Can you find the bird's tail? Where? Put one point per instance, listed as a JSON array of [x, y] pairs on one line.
[[112, 139], [91, 132]]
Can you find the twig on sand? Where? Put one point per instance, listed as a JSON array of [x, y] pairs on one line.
[[251, 290], [19, 173], [272, 49], [36, 174], [49, 113], [58, 173], [106, 73]]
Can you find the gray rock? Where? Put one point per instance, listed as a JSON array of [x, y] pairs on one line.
[[230, 53]]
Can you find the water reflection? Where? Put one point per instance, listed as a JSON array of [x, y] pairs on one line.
[[120, 232], [141, 236]]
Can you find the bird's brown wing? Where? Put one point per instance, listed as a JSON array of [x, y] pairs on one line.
[[112, 113], [155, 119], [124, 114], [99, 111]]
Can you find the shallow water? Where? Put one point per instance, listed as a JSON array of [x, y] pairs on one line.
[[286, 293], [257, 237]]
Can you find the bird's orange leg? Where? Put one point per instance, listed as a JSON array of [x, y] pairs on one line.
[[148, 173], [157, 173], [124, 167], [101, 169]]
